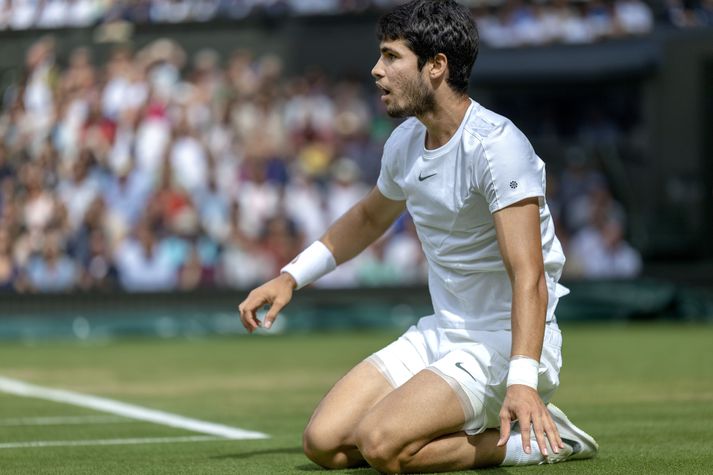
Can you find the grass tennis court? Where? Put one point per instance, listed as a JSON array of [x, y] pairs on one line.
[[644, 391]]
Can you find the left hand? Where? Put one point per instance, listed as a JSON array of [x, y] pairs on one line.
[[522, 403]]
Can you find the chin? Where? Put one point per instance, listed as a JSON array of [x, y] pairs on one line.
[[397, 113]]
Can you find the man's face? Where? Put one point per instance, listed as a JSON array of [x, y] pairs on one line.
[[406, 92]]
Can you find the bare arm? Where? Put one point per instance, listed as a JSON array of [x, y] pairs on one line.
[[519, 238], [518, 231], [348, 236], [363, 224]]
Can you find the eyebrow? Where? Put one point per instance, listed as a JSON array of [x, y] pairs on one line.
[[386, 49]]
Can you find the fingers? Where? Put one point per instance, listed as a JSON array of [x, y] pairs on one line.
[[504, 428], [546, 430], [277, 305], [276, 293], [532, 414], [537, 426], [525, 432], [249, 319], [248, 309], [256, 299], [552, 433]]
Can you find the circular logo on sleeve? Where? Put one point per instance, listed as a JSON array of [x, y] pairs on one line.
[[513, 184]]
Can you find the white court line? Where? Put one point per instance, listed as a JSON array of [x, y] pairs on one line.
[[20, 388], [76, 443], [62, 420]]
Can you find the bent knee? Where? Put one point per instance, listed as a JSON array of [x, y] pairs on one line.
[[380, 448], [324, 447]]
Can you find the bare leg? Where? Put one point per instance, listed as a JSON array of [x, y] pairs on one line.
[[463, 452], [329, 438], [418, 428]]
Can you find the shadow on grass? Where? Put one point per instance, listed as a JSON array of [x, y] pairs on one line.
[[491, 470], [277, 450], [310, 467]]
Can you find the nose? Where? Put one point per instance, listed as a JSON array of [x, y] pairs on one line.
[[378, 71]]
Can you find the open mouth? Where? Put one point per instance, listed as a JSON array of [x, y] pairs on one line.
[[384, 92]]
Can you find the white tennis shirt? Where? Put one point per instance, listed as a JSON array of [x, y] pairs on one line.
[[451, 192]]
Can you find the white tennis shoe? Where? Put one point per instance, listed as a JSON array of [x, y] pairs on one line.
[[577, 443], [526, 459], [581, 444]]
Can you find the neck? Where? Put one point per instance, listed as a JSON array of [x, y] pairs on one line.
[[443, 121]]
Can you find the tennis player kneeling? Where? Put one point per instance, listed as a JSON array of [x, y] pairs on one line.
[[468, 386]]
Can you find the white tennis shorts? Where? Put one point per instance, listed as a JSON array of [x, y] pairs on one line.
[[474, 363]]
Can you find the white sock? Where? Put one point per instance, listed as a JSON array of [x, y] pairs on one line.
[[515, 453]]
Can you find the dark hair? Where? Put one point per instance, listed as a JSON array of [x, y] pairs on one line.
[[430, 27]]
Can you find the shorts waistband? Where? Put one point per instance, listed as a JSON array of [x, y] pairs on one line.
[[553, 335], [476, 326]]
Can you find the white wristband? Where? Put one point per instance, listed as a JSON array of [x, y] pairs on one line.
[[523, 370], [311, 264]]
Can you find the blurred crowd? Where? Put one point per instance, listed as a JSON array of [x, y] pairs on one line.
[[156, 172], [590, 223], [518, 23], [505, 23]]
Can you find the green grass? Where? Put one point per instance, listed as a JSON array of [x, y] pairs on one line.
[[645, 393]]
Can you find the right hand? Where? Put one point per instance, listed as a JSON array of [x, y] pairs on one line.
[[276, 293], [523, 404]]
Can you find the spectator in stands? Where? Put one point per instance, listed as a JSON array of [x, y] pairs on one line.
[[10, 219], [403, 253], [243, 262], [9, 271], [98, 271], [577, 181], [159, 176], [188, 157], [39, 203], [600, 252], [95, 221], [509, 24], [495, 28], [194, 274], [213, 207], [304, 202], [704, 12], [52, 14], [600, 19], [373, 269], [280, 239], [256, 194], [7, 172], [634, 16], [596, 206], [345, 189], [143, 262], [79, 190], [682, 13], [126, 193], [21, 14], [52, 270], [574, 27], [170, 11]]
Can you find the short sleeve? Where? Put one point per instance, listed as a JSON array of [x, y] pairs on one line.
[[386, 182], [509, 170]]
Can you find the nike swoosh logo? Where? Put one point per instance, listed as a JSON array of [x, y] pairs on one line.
[[459, 365], [421, 178], [576, 446]]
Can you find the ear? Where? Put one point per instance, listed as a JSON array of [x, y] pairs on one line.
[[438, 66]]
